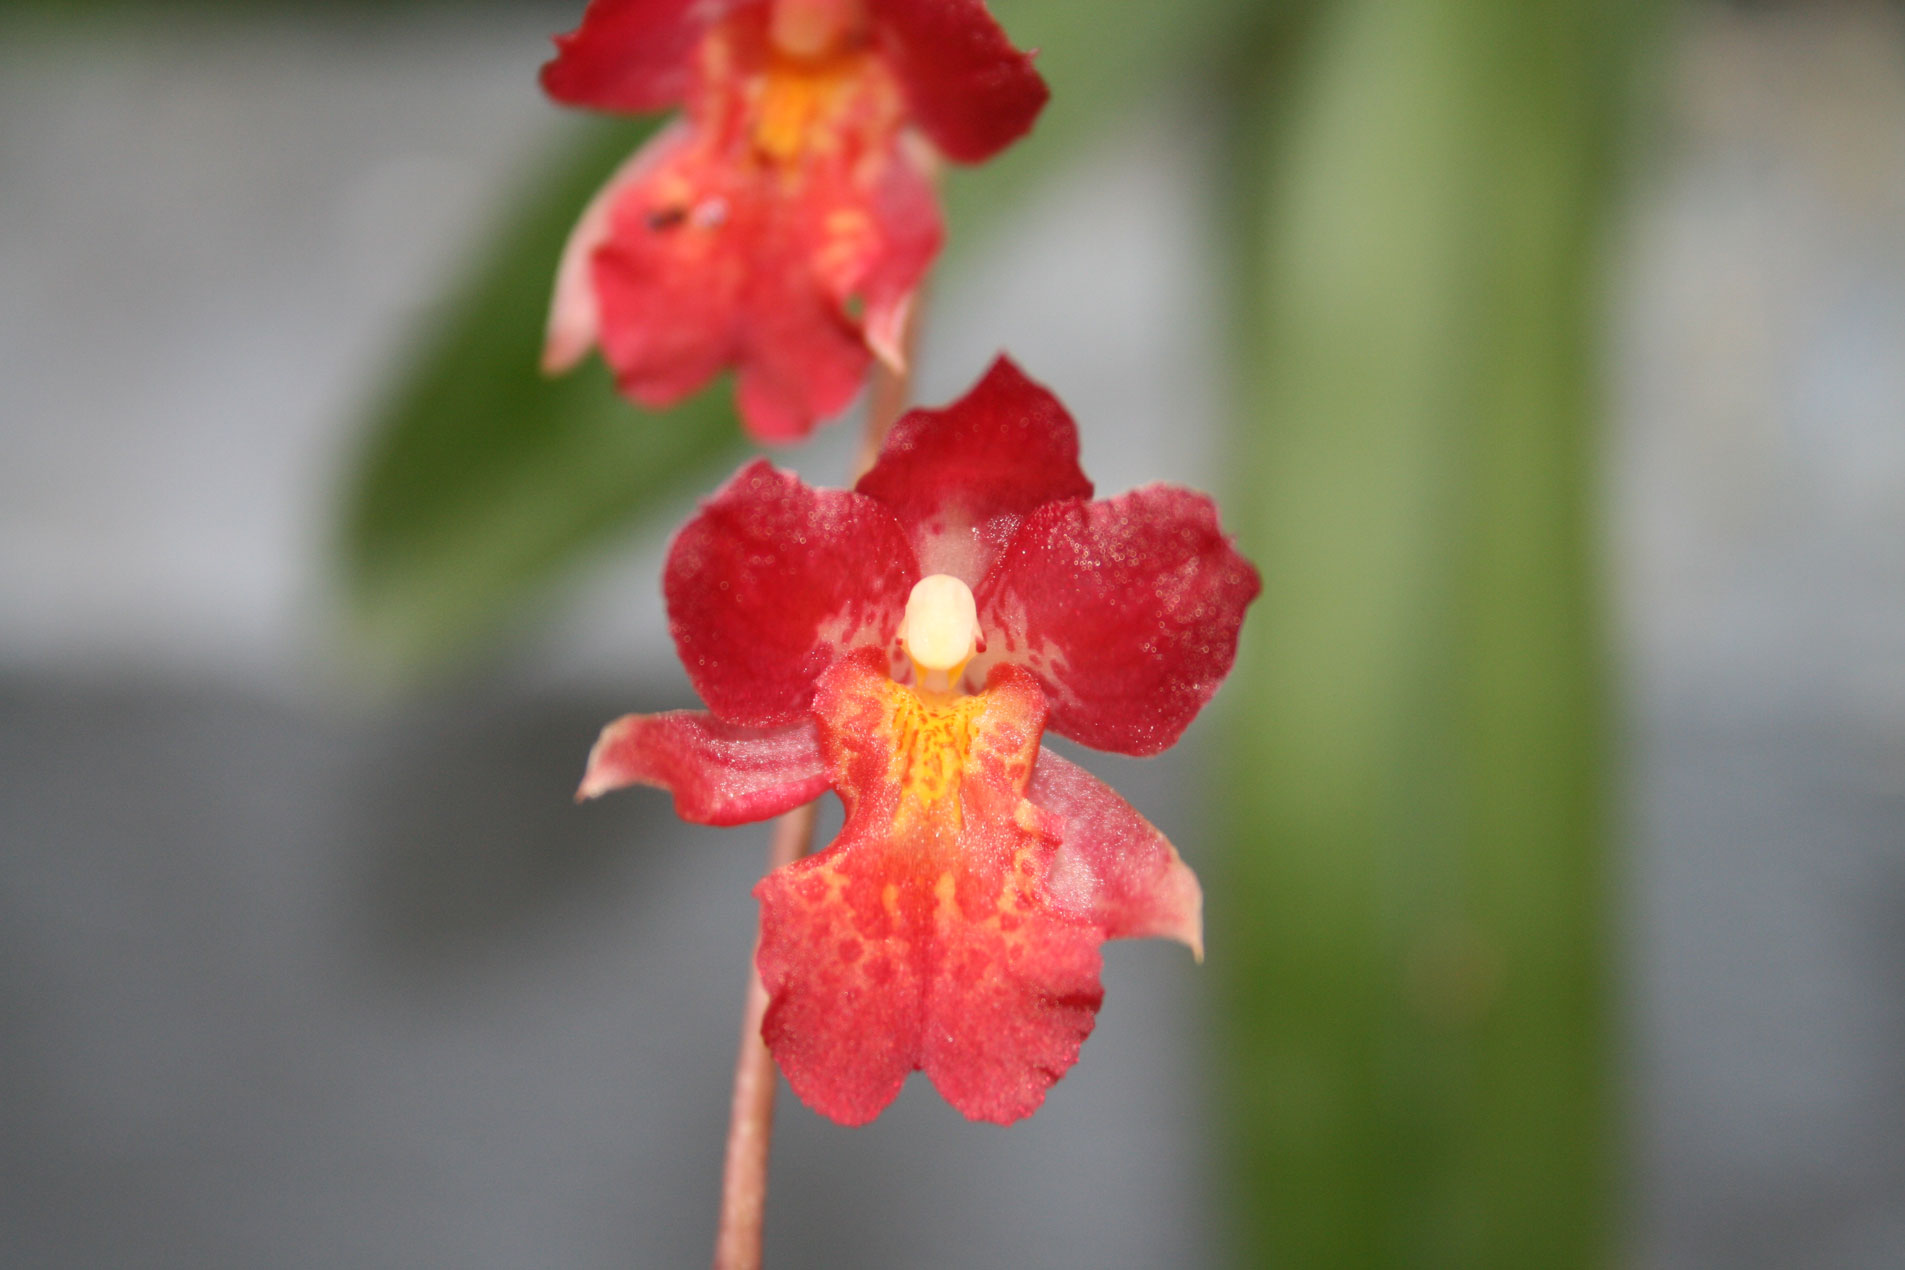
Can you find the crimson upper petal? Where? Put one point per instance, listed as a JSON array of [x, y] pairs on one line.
[[962, 478], [1127, 610], [772, 582]]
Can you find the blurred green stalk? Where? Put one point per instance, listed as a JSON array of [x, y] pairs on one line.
[[1412, 917]]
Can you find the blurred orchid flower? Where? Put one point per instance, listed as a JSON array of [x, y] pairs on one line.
[[782, 226]]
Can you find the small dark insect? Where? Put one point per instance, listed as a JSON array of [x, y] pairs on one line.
[[662, 218]]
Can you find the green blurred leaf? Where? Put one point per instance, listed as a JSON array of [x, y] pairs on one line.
[[482, 480], [1410, 921]]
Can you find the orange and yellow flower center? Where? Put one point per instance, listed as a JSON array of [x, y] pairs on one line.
[[933, 724], [932, 743], [940, 759], [819, 81], [801, 98]]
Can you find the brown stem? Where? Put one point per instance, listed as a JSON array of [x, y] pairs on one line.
[[887, 400], [737, 1241], [885, 404]]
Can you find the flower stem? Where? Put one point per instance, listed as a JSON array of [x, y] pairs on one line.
[[737, 1241], [887, 399], [737, 1244]]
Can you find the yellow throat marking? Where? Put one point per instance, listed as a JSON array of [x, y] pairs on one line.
[[932, 741], [801, 100]]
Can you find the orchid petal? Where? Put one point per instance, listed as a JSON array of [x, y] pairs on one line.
[[720, 773], [1127, 610], [969, 89], [773, 582], [905, 212], [1113, 867], [962, 478], [630, 55], [880, 964], [574, 313], [670, 271], [922, 938]]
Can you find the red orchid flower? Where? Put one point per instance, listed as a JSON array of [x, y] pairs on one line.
[[906, 643], [784, 225]]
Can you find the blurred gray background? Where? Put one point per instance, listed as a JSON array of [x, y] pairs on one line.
[[295, 976]]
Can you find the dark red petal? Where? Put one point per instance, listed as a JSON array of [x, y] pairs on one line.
[[922, 938], [772, 582], [962, 478], [969, 89], [720, 773], [1113, 868], [631, 55], [1127, 610]]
